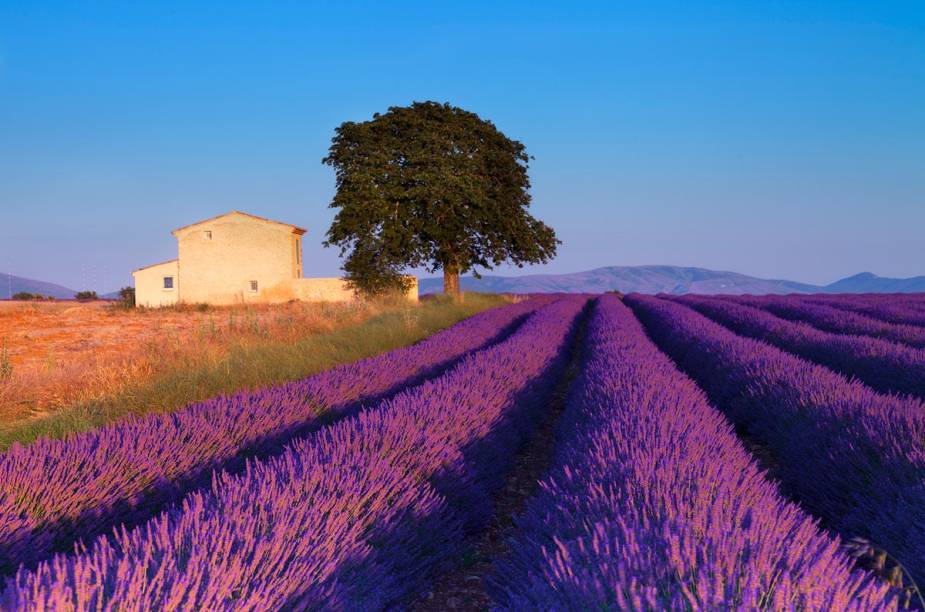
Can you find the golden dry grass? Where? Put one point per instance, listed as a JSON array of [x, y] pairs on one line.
[[69, 366], [64, 353]]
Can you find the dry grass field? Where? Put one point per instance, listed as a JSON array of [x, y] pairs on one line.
[[67, 366], [61, 353]]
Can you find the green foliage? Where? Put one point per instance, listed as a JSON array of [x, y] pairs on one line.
[[85, 296], [127, 297], [433, 186], [23, 295]]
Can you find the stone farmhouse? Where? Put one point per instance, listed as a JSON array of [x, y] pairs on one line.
[[237, 258]]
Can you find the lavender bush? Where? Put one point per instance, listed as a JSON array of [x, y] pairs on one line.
[[54, 492], [351, 517], [851, 456], [886, 366], [836, 320], [653, 503], [906, 311]]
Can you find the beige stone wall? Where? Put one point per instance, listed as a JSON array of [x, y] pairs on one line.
[[321, 290], [149, 285], [220, 258]]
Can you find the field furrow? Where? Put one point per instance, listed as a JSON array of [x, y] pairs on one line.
[[354, 516], [652, 503], [463, 585], [55, 492], [853, 457]]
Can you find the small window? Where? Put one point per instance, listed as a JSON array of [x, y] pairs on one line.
[[207, 235], [168, 282], [253, 286]]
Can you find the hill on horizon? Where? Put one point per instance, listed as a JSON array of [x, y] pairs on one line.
[[676, 280], [11, 285]]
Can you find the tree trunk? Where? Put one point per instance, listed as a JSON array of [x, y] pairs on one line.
[[451, 280]]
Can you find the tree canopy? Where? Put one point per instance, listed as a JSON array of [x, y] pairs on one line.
[[431, 185]]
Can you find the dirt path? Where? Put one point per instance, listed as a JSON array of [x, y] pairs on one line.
[[463, 587]]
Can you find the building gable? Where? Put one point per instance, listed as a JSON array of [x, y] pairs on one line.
[[243, 216], [236, 257]]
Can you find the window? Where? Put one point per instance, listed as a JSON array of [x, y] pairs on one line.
[[168, 282], [207, 235], [253, 286]]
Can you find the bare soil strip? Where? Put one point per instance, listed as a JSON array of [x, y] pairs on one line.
[[463, 587]]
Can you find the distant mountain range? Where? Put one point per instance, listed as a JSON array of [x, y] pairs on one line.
[[11, 285], [672, 279], [641, 279], [865, 282]]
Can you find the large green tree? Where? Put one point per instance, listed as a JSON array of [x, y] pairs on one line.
[[431, 185]]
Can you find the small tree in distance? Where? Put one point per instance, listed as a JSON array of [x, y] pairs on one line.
[[127, 297], [431, 185], [85, 296]]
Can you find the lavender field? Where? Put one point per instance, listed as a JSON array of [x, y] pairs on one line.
[[565, 452]]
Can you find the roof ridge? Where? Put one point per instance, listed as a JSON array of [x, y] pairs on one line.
[[160, 263], [296, 228]]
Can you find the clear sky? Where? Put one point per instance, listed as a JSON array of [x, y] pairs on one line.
[[780, 139]]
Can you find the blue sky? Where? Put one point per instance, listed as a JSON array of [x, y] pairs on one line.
[[780, 139]]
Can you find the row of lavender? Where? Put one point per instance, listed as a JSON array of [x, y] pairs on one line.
[[55, 492], [903, 309], [836, 320], [354, 516], [853, 457], [889, 367], [653, 503]]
